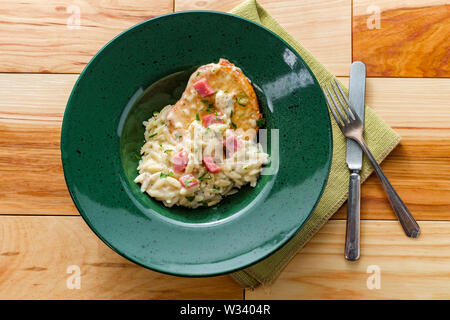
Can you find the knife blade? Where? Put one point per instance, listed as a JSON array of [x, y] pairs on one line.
[[356, 94], [357, 88]]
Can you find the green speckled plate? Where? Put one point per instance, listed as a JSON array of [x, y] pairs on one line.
[[102, 131]]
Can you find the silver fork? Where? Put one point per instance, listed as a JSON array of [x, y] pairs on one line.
[[351, 127]]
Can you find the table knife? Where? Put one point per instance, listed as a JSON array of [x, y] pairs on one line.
[[357, 88]]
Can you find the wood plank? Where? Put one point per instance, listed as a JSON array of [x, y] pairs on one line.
[[317, 25], [44, 36], [419, 168], [411, 40], [31, 175], [35, 253], [409, 268], [35, 96], [414, 103]]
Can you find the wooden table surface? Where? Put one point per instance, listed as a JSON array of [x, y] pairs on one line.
[[406, 47]]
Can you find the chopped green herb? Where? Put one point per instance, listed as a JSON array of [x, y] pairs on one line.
[[251, 114], [225, 91], [155, 113], [231, 113], [205, 101], [205, 176], [153, 135], [260, 122], [137, 156], [197, 117], [168, 150], [190, 198], [207, 130], [210, 110], [161, 145], [203, 203], [234, 125], [241, 114], [242, 99], [198, 73], [186, 183], [165, 175], [245, 168]]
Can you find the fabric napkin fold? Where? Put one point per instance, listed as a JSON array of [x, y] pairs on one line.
[[380, 138]]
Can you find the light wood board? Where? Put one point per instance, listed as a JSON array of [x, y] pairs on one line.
[[61, 36], [36, 254], [408, 268]]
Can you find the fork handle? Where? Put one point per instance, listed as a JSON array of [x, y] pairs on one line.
[[405, 217], [353, 215]]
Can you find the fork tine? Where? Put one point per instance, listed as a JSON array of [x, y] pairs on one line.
[[349, 109], [345, 105], [335, 116], [341, 90], [336, 105]]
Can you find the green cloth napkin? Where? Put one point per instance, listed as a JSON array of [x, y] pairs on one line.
[[380, 138]]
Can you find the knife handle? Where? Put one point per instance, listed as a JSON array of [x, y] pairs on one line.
[[353, 217]]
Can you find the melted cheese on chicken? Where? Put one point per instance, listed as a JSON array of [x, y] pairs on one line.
[[233, 97]]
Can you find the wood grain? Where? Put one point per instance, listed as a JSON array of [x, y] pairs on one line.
[[31, 175], [35, 96], [317, 24], [35, 253], [409, 268], [30, 134], [412, 40], [42, 36]]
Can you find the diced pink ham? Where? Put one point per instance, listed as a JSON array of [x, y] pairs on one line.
[[210, 119], [231, 144], [180, 161], [211, 165], [189, 181], [203, 88]]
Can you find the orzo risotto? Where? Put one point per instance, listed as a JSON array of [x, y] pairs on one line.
[[203, 148]]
